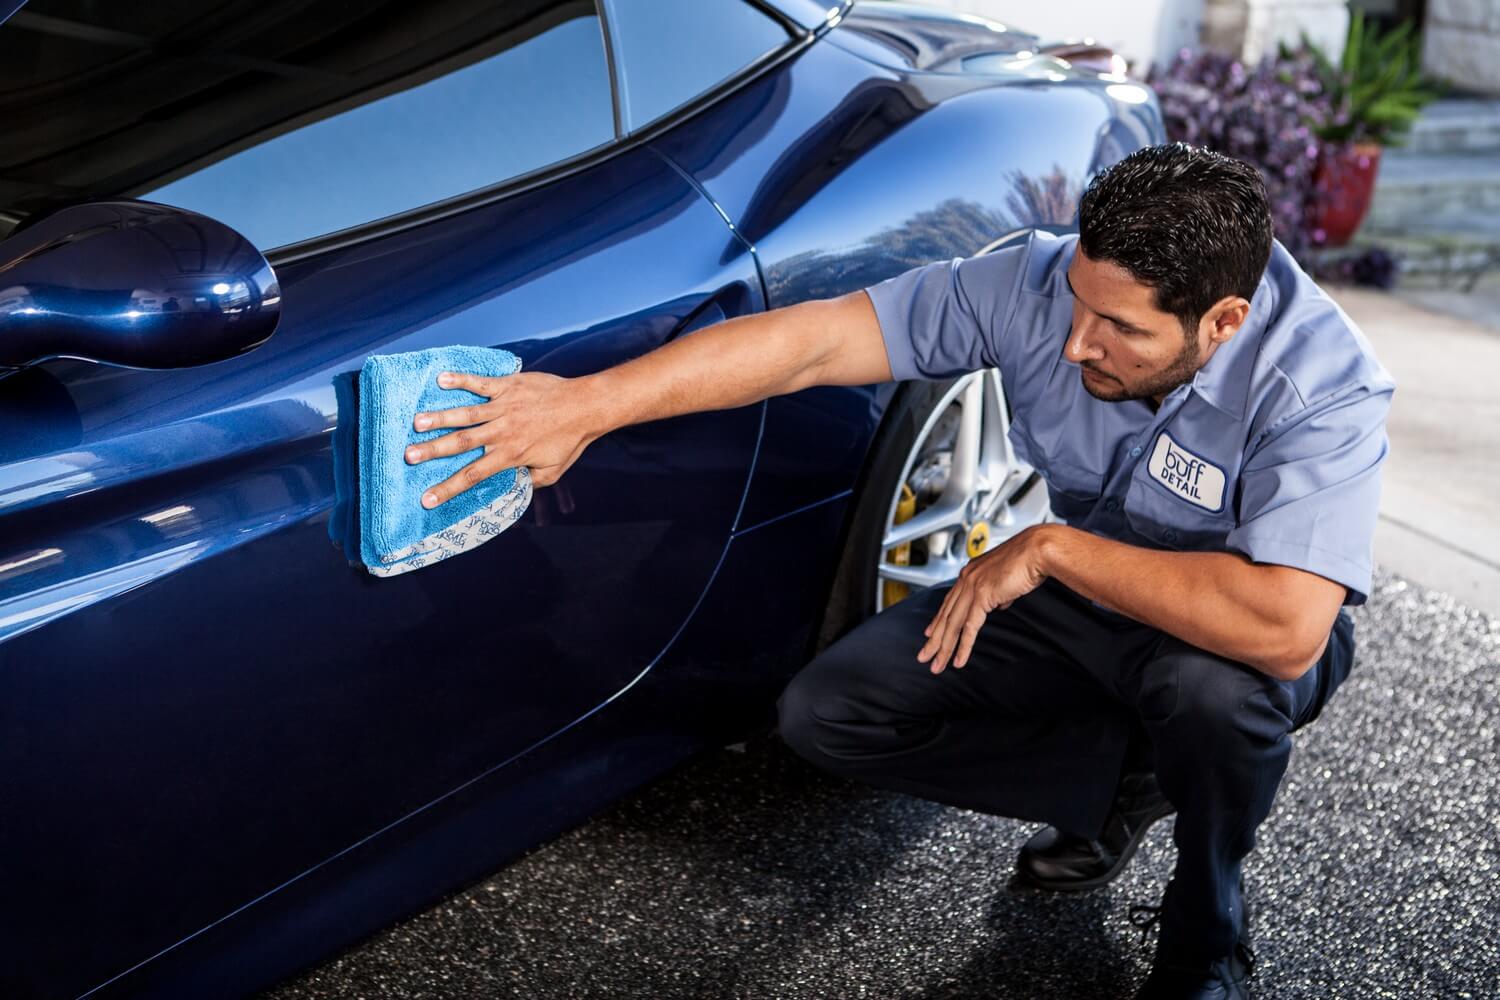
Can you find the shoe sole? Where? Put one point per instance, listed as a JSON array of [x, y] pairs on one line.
[[1076, 885]]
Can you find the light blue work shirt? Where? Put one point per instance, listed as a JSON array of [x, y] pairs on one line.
[[1273, 449]]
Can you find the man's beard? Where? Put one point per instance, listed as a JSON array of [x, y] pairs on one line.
[[1181, 370]]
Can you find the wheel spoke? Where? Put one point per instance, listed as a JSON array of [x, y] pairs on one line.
[[963, 474], [925, 575], [997, 460], [1016, 514], [935, 518]]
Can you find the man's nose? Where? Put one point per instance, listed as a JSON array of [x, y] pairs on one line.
[[1079, 348]]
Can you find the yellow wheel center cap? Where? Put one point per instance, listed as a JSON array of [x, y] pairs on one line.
[[979, 539]]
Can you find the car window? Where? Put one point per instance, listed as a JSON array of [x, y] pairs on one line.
[[291, 121], [667, 52]]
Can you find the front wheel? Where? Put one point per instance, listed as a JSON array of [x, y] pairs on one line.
[[944, 486]]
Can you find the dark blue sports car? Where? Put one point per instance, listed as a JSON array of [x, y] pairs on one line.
[[224, 751]]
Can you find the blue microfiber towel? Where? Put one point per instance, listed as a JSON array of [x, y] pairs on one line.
[[396, 532]]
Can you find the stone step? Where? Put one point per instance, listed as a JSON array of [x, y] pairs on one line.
[[1456, 258], [1436, 192], [1453, 125]]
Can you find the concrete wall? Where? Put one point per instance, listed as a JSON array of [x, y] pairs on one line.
[[1461, 43], [1140, 30], [1147, 31], [1253, 28]]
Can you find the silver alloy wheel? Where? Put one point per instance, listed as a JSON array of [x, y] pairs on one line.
[[966, 480]]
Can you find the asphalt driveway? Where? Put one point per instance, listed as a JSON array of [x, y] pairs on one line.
[[752, 875]]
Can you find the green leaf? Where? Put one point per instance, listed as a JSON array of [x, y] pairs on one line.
[[1363, 94], [1389, 78], [1352, 43], [1390, 113], [1396, 37], [1320, 59], [1401, 59]]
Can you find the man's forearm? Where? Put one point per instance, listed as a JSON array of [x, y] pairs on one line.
[[732, 363], [1273, 618]]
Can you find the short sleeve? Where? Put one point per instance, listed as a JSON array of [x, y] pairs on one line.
[[1310, 493], [947, 318]]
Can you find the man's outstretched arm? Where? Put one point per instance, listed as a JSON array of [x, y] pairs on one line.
[[744, 360], [545, 421]]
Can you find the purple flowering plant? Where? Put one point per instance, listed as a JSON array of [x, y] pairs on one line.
[[1266, 114]]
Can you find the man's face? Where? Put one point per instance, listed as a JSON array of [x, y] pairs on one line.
[[1127, 348]]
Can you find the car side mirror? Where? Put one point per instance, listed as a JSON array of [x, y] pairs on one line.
[[134, 284]]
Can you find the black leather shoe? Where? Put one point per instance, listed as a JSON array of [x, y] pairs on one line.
[[1175, 979], [1064, 862], [1224, 979]]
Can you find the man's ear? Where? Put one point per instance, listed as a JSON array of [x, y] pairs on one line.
[[1226, 317]]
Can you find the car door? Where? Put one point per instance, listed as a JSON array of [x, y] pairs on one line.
[[201, 700]]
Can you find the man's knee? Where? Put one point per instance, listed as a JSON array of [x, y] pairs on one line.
[[820, 710], [797, 717], [1313, 689], [849, 707]]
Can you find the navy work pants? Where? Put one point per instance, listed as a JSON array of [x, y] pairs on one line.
[[1057, 699]]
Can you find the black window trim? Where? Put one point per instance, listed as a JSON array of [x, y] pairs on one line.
[[794, 31], [609, 66], [521, 183]]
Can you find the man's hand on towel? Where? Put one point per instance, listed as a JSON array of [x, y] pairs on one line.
[[532, 419]]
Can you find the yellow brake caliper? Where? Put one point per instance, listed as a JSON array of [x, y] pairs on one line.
[[900, 555]]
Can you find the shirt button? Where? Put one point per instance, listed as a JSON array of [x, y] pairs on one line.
[[1111, 504], [1170, 535], [1135, 452]]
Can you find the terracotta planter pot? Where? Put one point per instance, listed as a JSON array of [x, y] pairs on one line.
[[1342, 185]]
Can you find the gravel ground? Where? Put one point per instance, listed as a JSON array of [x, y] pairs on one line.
[[752, 875]]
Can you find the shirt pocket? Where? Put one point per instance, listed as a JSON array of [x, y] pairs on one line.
[[1073, 490], [1164, 521]]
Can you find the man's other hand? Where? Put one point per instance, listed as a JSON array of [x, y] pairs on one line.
[[988, 582]]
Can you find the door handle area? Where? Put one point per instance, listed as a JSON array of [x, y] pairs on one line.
[[731, 300]]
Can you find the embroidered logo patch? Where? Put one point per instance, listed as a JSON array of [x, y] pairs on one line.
[[1185, 474]]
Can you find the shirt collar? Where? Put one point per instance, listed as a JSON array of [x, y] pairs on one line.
[[1224, 380]]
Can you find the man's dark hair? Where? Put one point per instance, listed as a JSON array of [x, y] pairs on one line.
[[1193, 224]]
